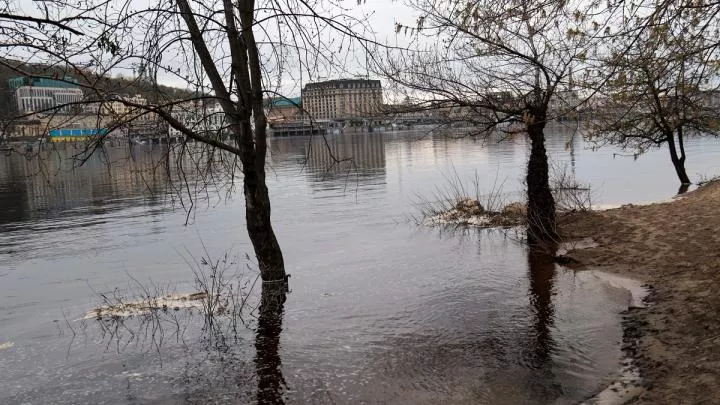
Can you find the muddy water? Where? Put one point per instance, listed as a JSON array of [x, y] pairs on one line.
[[381, 312]]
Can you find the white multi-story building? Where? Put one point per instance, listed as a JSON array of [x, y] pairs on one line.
[[204, 119], [52, 96], [342, 99]]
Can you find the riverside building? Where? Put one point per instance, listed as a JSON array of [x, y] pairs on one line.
[[41, 94], [342, 99]]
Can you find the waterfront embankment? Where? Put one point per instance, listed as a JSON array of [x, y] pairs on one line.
[[675, 248]]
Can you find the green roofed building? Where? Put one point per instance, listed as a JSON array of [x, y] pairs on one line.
[[281, 109], [45, 94], [285, 102], [66, 83]]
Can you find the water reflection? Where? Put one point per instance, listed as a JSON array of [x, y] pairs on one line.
[[209, 352], [51, 185], [367, 151], [268, 365], [331, 160], [383, 311], [541, 276]]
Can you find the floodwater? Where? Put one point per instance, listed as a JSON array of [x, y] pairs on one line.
[[382, 311]]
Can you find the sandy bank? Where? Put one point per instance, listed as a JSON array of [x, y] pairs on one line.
[[675, 247]]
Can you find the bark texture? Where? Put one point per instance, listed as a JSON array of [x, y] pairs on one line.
[[257, 216], [541, 204]]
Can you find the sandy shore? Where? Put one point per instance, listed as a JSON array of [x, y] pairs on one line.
[[675, 248]]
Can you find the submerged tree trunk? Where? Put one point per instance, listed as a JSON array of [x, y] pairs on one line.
[[257, 215], [541, 204], [257, 203], [678, 161]]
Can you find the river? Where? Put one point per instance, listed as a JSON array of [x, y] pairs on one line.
[[382, 311]]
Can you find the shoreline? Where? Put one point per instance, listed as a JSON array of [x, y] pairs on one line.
[[628, 383], [674, 246]]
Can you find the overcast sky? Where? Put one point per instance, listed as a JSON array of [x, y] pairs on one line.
[[382, 15]]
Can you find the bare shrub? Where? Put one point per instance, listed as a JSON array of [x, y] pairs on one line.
[[570, 194], [146, 314], [705, 180], [446, 197], [226, 295]]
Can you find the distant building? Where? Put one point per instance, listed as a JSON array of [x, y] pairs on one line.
[[342, 99], [57, 127], [418, 112], [710, 98], [40, 94], [205, 119], [565, 105], [280, 109], [115, 106]]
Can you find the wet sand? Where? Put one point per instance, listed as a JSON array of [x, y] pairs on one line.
[[675, 248]]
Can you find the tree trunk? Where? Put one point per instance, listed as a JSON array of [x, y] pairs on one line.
[[541, 204], [251, 143], [678, 161], [683, 189], [262, 236], [257, 200], [257, 204]]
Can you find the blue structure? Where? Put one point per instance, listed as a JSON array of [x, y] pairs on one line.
[[76, 134]]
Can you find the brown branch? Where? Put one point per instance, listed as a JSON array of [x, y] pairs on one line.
[[58, 24]]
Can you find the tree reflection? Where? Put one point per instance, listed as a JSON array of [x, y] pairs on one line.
[[541, 290], [542, 274], [268, 364], [683, 188]]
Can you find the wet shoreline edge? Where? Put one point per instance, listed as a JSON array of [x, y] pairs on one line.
[[673, 246], [628, 383]]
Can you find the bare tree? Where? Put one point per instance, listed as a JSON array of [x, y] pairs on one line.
[[661, 83], [495, 62], [229, 55]]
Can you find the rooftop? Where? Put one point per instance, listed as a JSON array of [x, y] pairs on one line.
[[342, 83], [65, 82], [285, 101]]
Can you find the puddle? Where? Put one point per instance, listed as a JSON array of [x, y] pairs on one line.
[[627, 386]]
